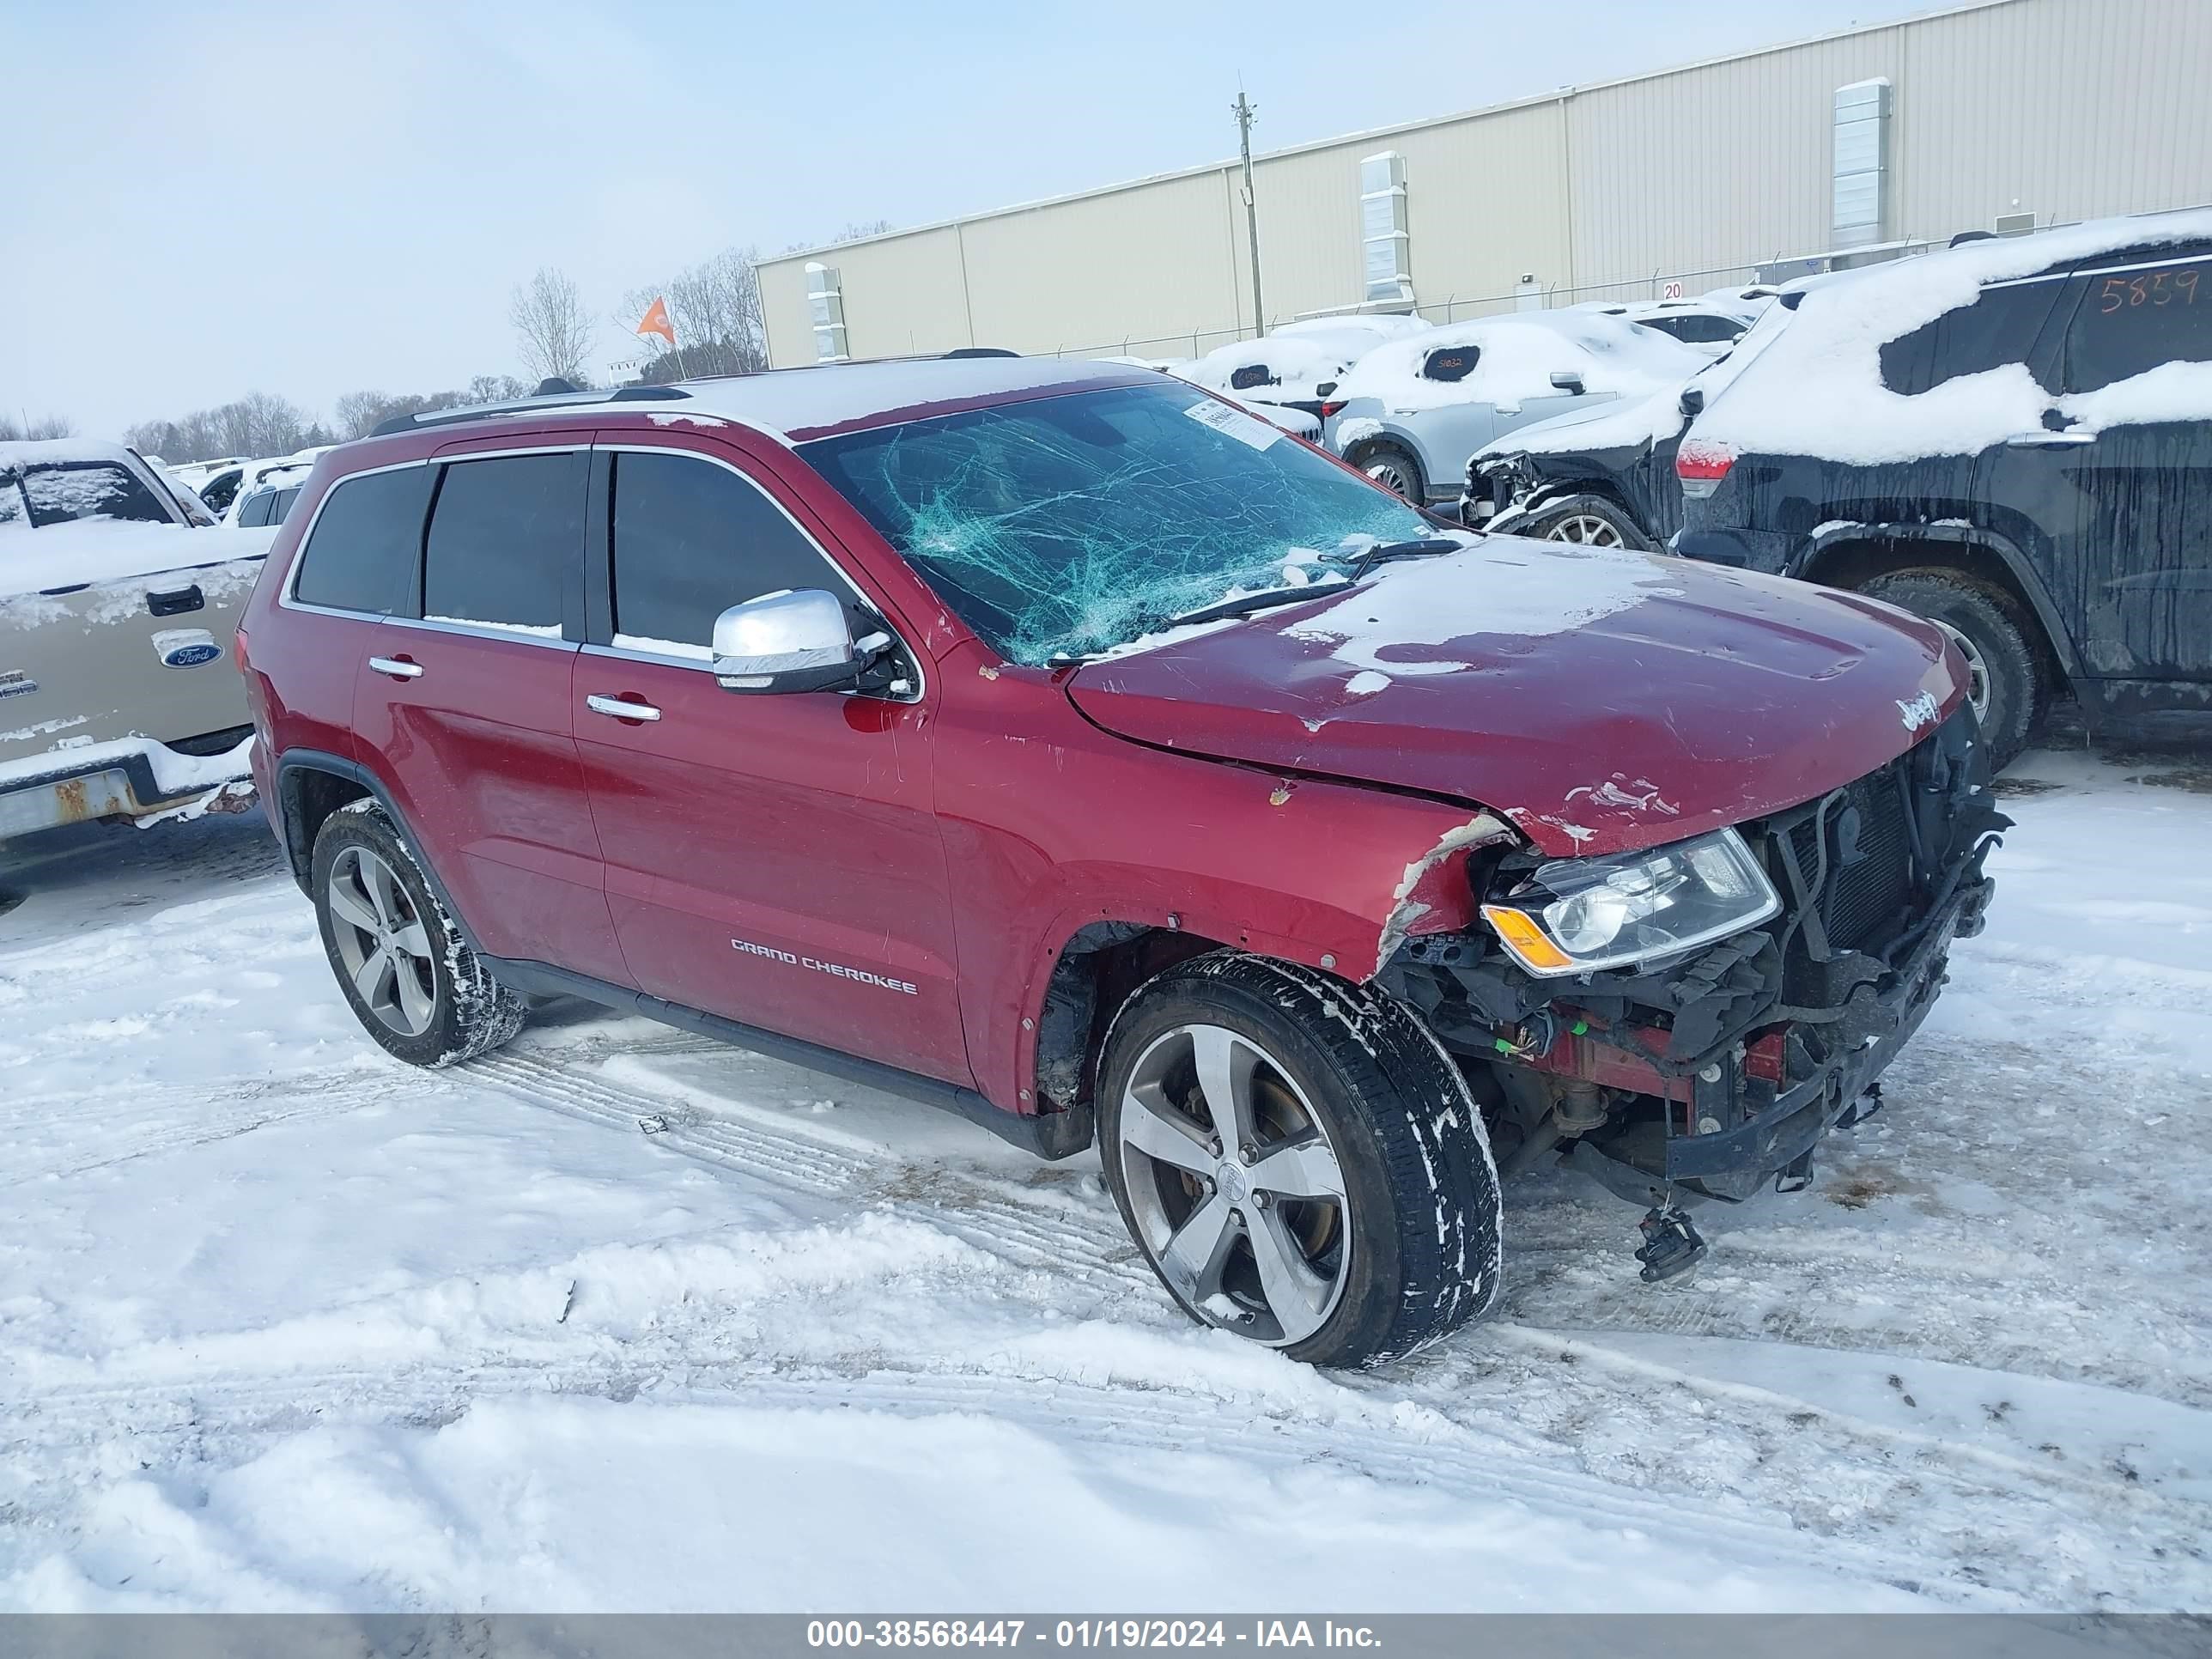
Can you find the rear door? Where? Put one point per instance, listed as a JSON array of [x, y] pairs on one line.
[[2130, 493], [771, 858], [461, 705]]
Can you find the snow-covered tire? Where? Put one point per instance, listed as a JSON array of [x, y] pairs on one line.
[[2013, 692], [1417, 1250], [1396, 469], [1586, 522], [449, 1009]]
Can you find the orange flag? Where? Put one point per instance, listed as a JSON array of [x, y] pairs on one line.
[[655, 321]]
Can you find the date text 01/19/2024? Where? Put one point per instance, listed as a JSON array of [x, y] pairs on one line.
[[1085, 1633]]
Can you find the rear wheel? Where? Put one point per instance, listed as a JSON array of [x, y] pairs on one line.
[[2005, 681], [401, 964], [1395, 469], [1587, 522], [1299, 1161]]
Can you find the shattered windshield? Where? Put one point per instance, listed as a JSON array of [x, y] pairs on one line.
[[1064, 526]]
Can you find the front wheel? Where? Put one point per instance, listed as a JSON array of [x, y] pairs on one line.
[[1299, 1160], [1587, 522]]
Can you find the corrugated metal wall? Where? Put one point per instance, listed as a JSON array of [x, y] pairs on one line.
[[2067, 109]]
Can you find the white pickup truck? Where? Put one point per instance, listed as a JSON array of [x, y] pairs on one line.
[[119, 603]]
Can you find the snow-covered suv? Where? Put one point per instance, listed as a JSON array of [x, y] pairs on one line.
[[2012, 438], [1058, 744]]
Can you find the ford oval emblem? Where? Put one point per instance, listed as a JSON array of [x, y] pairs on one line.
[[191, 656]]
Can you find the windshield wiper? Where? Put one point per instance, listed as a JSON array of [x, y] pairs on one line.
[[1389, 552], [1244, 604]]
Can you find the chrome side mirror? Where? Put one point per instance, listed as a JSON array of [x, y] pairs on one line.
[[792, 641], [1569, 382]]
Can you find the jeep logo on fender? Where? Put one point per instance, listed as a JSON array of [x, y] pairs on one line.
[[835, 969]]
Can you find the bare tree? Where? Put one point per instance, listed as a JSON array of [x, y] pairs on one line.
[[548, 315], [715, 309], [53, 426]]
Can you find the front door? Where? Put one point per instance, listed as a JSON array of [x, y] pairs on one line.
[[461, 709], [771, 858]]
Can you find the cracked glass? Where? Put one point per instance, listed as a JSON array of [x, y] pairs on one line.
[[1062, 527]]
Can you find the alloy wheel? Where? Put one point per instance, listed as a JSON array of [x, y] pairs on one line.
[[1234, 1185], [381, 941], [1392, 476], [1589, 529], [1977, 670]]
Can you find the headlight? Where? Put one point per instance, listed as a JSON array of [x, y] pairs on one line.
[[1575, 915]]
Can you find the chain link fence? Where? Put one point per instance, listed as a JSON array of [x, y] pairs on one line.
[[1459, 308]]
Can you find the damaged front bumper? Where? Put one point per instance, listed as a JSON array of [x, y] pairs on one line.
[[1719, 1071]]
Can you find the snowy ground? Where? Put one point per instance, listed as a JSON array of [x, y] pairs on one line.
[[284, 1324]]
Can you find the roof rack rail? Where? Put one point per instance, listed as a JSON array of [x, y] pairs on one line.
[[621, 394]]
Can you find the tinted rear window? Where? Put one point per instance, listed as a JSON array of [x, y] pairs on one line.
[[2000, 327], [506, 537], [97, 490], [361, 553], [2129, 322], [691, 540]]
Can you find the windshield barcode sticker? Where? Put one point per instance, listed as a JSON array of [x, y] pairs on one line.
[[1235, 423]]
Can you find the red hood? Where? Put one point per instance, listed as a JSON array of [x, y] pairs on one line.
[[1603, 700]]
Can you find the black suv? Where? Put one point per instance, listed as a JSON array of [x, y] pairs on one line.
[[2066, 539]]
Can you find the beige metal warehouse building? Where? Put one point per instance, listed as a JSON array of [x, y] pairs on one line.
[[1990, 116]]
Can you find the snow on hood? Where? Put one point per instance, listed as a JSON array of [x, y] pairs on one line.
[[1602, 701], [1633, 420], [1519, 353], [1842, 323], [1649, 419], [86, 551]]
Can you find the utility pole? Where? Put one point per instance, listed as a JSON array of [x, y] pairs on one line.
[[1245, 113]]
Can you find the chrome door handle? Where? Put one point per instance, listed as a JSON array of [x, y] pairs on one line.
[[396, 669], [2049, 440], [620, 710]]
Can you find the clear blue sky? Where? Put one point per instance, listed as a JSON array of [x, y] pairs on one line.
[[210, 199]]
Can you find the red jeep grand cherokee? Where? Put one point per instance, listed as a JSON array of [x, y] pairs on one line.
[[1059, 744]]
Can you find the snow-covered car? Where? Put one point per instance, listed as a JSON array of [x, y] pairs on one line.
[[119, 600], [256, 474], [1708, 326], [215, 483], [269, 500], [1410, 413], [1298, 365], [2010, 437], [1602, 475]]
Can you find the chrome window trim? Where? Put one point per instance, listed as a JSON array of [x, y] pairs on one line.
[[2091, 268], [706, 665], [479, 631]]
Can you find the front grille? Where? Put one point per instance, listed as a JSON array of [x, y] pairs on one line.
[[1867, 892], [1863, 887]]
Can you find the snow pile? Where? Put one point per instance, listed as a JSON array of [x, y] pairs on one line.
[[1817, 389], [89, 551], [1518, 353]]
